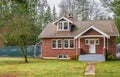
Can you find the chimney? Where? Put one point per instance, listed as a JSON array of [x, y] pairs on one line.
[[71, 17]]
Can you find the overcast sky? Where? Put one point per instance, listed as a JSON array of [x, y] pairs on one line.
[[54, 3]]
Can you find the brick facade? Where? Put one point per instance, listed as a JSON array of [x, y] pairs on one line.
[[110, 46], [47, 50]]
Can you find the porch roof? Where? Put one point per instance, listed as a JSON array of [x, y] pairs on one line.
[[94, 28]]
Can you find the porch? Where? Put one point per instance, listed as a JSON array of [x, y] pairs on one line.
[[92, 57]]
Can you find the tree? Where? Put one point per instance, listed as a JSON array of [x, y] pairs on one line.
[[47, 16], [67, 7], [116, 10], [84, 9], [54, 14], [20, 31]]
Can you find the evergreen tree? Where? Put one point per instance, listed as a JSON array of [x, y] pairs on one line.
[[54, 14], [48, 16], [116, 10]]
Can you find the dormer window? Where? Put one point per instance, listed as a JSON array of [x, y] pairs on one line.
[[63, 26]]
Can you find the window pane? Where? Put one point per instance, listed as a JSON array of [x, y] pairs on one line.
[[66, 43], [59, 44], [86, 42], [64, 56], [97, 42], [59, 26], [60, 56], [91, 41], [54, 43], [65, 25], [71, 43]]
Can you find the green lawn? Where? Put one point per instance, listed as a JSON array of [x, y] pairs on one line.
[[14, 67], [108, 69]]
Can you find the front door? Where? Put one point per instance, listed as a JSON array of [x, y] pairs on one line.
[[91, 48]]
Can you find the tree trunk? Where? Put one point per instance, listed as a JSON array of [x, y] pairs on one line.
[[24, 52], [26, 60]]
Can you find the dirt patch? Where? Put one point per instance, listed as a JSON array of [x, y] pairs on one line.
[[10, 75]]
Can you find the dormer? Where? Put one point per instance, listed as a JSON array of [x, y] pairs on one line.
[[63, 24]]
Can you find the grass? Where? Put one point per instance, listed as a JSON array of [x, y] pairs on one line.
[[14, 67], [108, 69]]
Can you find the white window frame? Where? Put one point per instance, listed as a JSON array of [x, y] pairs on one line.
[[63, 26], [63, 56], [69, 43], [56, 43], [88, 40]]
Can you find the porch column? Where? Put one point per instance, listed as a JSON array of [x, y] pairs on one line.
[[104, 46], [79, 43]]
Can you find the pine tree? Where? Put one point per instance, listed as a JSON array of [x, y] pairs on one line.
[[54, 14]]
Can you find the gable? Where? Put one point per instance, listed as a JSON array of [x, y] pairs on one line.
[[94, 28], [91, 32], [62, 19]]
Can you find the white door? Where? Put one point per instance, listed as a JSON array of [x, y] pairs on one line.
[[91, 48]]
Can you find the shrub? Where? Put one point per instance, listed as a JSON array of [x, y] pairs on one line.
[[110, 57], [74, 57]]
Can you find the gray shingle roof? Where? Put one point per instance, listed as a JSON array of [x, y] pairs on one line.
[[107, 26]]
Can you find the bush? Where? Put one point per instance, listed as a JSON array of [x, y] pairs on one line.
[[74, 57], [111, 57]]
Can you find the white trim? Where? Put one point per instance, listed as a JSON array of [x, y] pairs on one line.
[[56, 43], [49, 57], [64, 19], [107, 43], [62, 22], [68, 43], [78, 42], [92, 36], [94, 39], [59, 37], [63, 56], [104, 43], [53, 58], [92, 27]]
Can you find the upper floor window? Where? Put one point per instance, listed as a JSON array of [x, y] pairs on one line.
[[63, 26]]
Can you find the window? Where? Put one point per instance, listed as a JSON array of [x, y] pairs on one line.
[[60, 26], [63, 26], [97, 42], [86, 42], [56, 44], [68, 43], [59, 44], [71, 43], [63, 56], [92, 41]]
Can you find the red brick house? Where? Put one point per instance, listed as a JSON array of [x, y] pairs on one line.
[[66, 37]]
